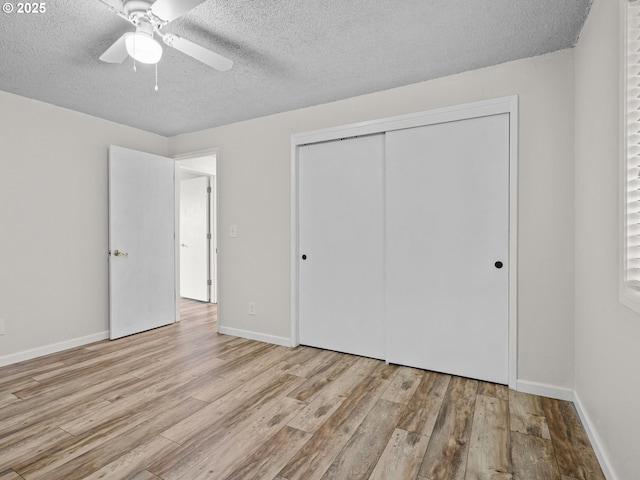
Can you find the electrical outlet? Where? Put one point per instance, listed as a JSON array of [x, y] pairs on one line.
[[252, 308], [1, 326]]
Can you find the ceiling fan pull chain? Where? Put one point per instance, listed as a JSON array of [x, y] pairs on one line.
[[156, 77], [134, 54]]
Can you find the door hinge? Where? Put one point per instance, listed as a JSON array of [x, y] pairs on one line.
[[208, 236], [208, 189], [209, 282]]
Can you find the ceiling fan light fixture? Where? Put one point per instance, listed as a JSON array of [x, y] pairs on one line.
[[143, 47]]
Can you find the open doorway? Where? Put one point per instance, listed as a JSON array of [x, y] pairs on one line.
[[196, 227]]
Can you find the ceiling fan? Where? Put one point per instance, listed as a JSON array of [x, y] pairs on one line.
[[149, 17]]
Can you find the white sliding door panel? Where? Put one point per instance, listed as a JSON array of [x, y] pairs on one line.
[[341, 234], [141, 242], [447, 224]]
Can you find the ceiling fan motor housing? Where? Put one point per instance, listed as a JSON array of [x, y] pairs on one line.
[[136, 10]]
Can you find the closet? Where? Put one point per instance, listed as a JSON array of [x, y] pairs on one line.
[[403, 244]]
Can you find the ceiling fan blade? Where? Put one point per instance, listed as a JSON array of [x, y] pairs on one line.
[[116, 7], [117, 52], [199, 53], [169, 10]]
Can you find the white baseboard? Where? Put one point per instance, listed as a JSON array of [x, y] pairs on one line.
[[261, 337], [52, 348], [594, 439], [545, 390]]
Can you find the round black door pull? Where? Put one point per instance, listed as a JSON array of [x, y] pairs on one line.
[[304, 257], [498, 264]]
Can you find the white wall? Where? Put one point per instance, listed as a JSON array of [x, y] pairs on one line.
[[53, 223], [607, 333], [254, 190]]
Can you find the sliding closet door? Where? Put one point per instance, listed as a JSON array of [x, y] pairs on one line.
[[341, 232], [447, 247]]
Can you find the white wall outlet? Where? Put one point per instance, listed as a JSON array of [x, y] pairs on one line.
[[252, 308], [1, 326], [233, 231]]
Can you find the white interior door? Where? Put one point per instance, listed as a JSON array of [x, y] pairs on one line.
[[141, 242], [341, 245], [447, 225], [194, 244], [213, 244]]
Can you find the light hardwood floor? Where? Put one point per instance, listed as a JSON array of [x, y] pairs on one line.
[[182, 402]]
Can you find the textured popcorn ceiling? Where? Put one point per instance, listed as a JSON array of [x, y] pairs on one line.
[[288, 54]]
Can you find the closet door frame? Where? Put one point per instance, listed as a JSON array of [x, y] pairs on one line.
[[484, 108]]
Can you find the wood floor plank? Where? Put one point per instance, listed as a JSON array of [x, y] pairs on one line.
[[97, 363], [489, 447], [27, 428], [220, 457], [571, 445], [243, 349], [527, 415], [356, 373], [229, 458], [22, 452], [313, 459], [30, 367], [80, 456], [385, 371], [83, 375], [9, 475], [202, 442], [64, 398], [301, 354], [122, 406], [131, 462], [257, 364], [144, 475], [320, 360], [157, 384], [194, 365], [493, 390], [401, 457], [321, 378], [423, 409], [45, 416], [316, 413], [359, 456], [267, 461], [8, 398], [13, 381], [446, 455], [26, 384], [218, 386], [251, 395], [533, 458], [231, 367], [403, 385]]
